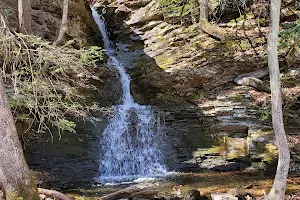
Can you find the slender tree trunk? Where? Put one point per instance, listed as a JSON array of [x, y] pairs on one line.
[[15, 176], [204, 10], [24, 7], [278, 189], [64, 22]]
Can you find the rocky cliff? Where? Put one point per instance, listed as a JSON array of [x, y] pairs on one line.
[[188, 70], [46, 19], [61, 160]]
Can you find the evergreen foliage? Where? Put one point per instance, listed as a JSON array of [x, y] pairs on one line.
[[43, 81]]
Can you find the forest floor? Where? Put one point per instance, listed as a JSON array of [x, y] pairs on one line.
[[255, 183]]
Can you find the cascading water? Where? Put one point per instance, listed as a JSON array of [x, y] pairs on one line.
[[130, 144]]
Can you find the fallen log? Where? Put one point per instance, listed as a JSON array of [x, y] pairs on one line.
[[133, 191], [260, 73], [53, 193], [212, 31], [256, 83], [148, 194], [252, 79], [222, 196]]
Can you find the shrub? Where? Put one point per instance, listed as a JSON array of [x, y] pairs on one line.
[[43, 80]]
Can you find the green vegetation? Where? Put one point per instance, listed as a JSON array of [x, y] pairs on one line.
[[43, 81], [265, 113], [290, 35], [289, 39], [175, 8]]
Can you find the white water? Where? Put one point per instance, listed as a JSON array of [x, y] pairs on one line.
[[130, 145]]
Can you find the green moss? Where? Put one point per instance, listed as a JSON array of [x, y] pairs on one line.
[[262, 22], [267, 151], [173, 8], [25, 192], [29, 191], [264, 113], [231, 44], [260, 41], [191, 29], [195, 45], [165, 97], [163, 61], [142, 65], [206, 151], [289, 80], [238, 98], [245, 45], [259, 147], [236, 149]]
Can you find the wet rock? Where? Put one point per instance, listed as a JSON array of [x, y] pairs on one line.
[[241, 194], [262, 148], [193, 195], [223, 196], [136, 38], [159, 198]]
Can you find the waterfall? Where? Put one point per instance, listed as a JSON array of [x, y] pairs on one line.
[[131, 143]]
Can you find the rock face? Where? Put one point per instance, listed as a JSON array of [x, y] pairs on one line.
[[188, 75], [184, 58], [46, 19], [210, 122], [71, 161]]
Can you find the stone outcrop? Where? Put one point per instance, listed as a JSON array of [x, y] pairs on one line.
[[183, 57], [176, 67], [210, 122], [46, 19]]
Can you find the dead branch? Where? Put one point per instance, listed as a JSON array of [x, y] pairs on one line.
[[53, 193], [136, 191], [211, 30]]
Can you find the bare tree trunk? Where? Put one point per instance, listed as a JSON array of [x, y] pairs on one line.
[[278, 189], [24, 7], [204, 10], [15, 177], [64, 22]]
